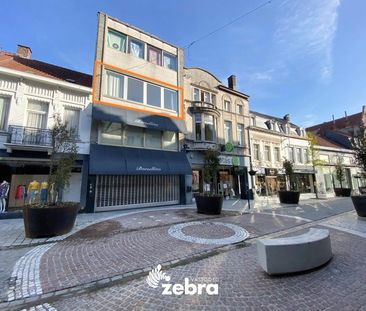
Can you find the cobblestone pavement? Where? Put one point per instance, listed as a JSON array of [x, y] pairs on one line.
[[340, 285], [118, 253]]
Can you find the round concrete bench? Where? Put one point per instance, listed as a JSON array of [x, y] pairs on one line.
[[294, 254]]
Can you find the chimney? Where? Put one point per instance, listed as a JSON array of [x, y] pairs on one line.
[[231, 81], [24, 51]]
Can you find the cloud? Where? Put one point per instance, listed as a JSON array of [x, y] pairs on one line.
[[264, 76], [306, 31]]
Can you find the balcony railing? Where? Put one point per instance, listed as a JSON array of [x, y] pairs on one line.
[[20, 135], [204, 106]]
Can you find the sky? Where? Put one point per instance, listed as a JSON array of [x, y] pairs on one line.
[[302, 57]]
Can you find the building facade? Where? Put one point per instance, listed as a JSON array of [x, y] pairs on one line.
[[217, 117], [273, 140], [137, 121], [31, 92]]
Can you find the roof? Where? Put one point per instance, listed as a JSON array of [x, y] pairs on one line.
[[341, 123], [324, 142], [281, 120], [14, 62]]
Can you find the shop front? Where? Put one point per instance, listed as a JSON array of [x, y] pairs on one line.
[[304, 180], [232, 178], [26, 174], [123, 178], [269, 181]]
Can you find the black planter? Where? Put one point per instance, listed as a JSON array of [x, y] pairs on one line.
[[289, 197], [342, 192], [210, 205], [359, 202], [49, 221]]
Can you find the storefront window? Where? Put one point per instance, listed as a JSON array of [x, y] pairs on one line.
[[153, 139], [134, 136]]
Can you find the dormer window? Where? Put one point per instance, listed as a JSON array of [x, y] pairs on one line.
[[268, 123]]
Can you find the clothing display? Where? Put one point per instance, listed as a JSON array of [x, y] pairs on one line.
[[33, 186], [4, 188], [21, 192], [44, 191]]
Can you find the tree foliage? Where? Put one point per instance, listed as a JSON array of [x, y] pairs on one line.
[[62, 155], [289, 171], [211, 167], [340, 170], [358, 143]]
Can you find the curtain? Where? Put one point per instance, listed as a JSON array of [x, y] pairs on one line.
[[4, 108], [116, 41], [136, 49], [37, 114], [72, 119], [115, 85], [154, 55]]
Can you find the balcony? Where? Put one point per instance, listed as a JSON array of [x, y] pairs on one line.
[[28, 138], [201, 106]]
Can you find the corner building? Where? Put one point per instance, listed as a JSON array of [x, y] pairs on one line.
[[137, 121]]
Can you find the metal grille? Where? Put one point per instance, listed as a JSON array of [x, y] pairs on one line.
[[126, 191]]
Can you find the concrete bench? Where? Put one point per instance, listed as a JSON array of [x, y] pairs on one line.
[[295, 254]]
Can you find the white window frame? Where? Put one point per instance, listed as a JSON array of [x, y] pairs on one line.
[[7, 112]]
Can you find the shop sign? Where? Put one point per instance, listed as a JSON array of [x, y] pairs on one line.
[[271, 171], [235, 161], [229, 160], [148, 169], [146, 123], [229, 147]]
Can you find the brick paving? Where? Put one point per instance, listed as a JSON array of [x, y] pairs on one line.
[[125, 246], [244, 286]]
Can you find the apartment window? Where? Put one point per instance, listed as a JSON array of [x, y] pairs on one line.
[[4, 112], [256, 151], [267, 153], [116, 40], [228, 131], [239, 109], [277, 154], [115, 83], [196, 94], [153, 95], [198, 122], [154, 55], [111, 133], [252, 121], [209, 128], [240, 134], [137, 48], [134, 136], [170, 61], [37, 114], [135, 90], [213, 99], [71, 117], [227, 105], [299, 155], [153, 139], [291, 154], [206, 97], [306, 156], [170, 141], [170, 100]]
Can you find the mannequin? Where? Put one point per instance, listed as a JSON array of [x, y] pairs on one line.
[[4, 191], [33, 190], [52, 193], [44, 191]]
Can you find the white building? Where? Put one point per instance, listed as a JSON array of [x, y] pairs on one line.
[[272, 140], [31, 92]]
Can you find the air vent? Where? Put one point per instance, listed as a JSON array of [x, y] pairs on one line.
[[115, 46]]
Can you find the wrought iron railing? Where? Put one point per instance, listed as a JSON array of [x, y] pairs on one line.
[[21, 135]]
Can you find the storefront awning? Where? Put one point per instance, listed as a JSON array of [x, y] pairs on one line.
[[110, 160], [135, 118]]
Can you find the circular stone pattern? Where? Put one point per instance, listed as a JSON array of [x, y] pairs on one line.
[[239, 234]]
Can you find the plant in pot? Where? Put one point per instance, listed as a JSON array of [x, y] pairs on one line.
[[289, 196], [210, 202], [340, 175], [359, 147], [50, 217]]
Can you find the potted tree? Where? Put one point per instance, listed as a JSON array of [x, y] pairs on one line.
[[340, 175], [289, 196], [209, 202], [52, 217], [359, 146]]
